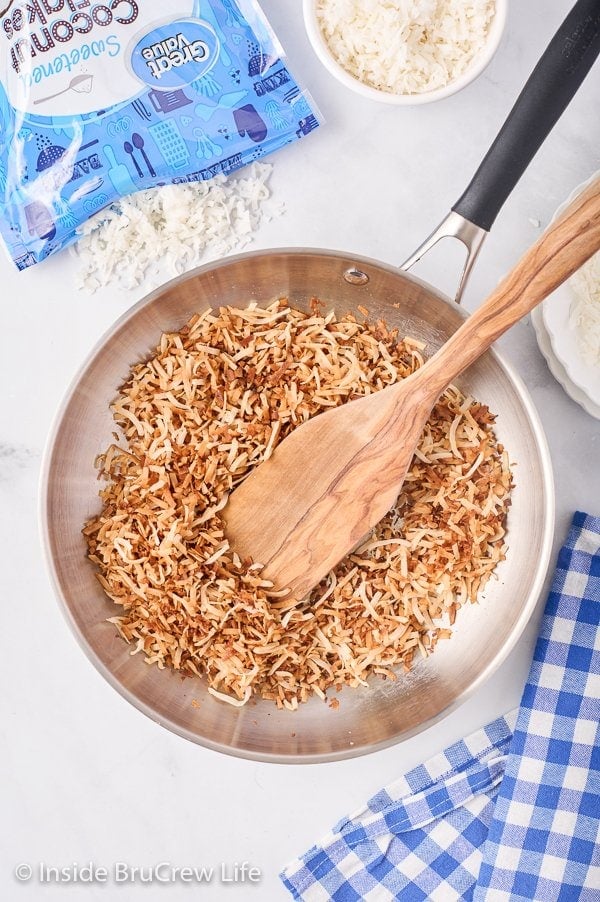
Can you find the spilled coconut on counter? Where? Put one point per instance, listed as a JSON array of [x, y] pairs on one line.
[[173, 228], [210, 404]]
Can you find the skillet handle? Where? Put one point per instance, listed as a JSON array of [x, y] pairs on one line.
[[549, 90]]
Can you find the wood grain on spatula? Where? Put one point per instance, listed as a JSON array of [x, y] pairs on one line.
[[331, 481]]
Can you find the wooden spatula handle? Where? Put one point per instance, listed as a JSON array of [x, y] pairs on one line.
[[562, 249]]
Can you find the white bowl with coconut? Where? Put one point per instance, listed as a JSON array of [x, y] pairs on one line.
[[570, 317], [405, 52]]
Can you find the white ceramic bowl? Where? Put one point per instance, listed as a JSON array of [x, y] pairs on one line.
[[562, 334], [557, 368], [474, 69]]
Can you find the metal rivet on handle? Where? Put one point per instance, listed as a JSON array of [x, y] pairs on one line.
[[356, 276]]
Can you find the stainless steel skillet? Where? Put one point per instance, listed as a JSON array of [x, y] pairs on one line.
[[484, 633]]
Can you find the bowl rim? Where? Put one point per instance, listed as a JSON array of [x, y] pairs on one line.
[[557, 369], [541, 564], [477, 65]]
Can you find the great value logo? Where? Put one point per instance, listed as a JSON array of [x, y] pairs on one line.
[[175, 54]]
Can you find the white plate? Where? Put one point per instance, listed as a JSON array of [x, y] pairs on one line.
[[561, 336], [557, 369]]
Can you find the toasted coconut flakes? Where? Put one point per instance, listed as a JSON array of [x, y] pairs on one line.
[[236, 702], [210, 405]]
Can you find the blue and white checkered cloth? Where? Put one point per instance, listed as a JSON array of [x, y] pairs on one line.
[[513, 811]]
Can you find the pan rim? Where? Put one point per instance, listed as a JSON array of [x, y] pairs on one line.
[[247, 753]]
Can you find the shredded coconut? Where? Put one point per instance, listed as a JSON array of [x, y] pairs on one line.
[[177, 226], [405, 46], [196, 418], [585, 310]]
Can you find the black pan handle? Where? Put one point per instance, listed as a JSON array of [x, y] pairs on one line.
[[549, 90]]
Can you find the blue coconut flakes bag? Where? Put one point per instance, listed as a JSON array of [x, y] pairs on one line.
[[99, 100]]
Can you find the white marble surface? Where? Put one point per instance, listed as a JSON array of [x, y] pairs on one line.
[[85, 777]]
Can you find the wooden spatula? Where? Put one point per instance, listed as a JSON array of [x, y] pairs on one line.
[[337, 475]]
